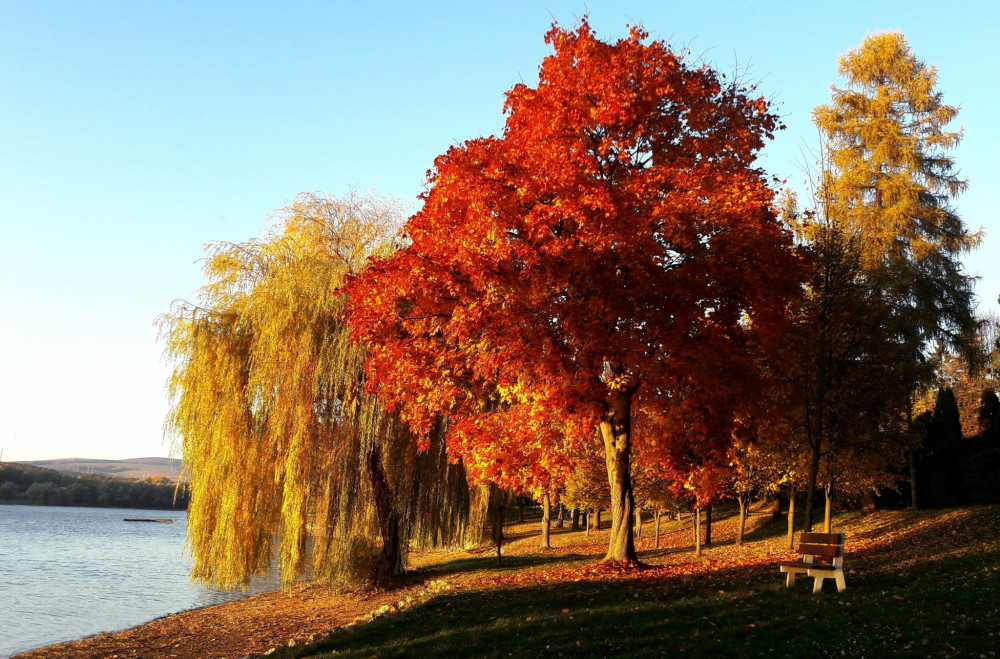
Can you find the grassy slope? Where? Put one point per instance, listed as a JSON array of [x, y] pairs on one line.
[[919, 584]]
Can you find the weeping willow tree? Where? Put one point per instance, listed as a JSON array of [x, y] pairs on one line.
[[288, 458]]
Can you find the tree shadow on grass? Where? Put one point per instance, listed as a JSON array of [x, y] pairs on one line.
[[732, 612], [663, 552], [488, 563]]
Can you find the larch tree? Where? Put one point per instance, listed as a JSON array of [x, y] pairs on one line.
[[885, 199], [287, 456], [893, 183], [614, 247]]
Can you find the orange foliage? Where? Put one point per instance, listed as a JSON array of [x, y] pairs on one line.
[[614, 240]]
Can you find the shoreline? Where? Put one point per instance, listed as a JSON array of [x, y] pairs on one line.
[[248, 626], [882, 544]]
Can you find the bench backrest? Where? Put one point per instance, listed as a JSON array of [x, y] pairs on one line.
[[827, 546]]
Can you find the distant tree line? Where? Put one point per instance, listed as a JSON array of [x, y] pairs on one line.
[[20, 483]]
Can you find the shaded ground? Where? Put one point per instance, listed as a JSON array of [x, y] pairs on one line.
[[906, 572]]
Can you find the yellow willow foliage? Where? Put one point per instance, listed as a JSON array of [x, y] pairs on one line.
[[284, 451]]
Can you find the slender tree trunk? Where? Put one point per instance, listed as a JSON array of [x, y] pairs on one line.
[[816, 440], [791, 516], [498, 535], [708, 526], [616, 429], [560, 520], [597, 520], [811, 484], [657, 528], [391, 558], [546, 522], [827, 522], [576, 519], [696, 526], [741, 531], [913, 480], [586, 519], [638, 522]]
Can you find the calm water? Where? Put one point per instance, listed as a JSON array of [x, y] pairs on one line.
[[66, 573]]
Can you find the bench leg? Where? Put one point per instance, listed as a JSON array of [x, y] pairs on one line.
[[841, 582], [789, 579], [817, 584]]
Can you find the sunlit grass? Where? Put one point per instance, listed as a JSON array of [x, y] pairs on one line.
[[918, 585]]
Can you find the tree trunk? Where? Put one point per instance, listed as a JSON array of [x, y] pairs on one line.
[[815, 437], [696, 526], [391, 558], [742, 529], [811, 485], [708, 526], [561, 518], [791, 516], [576, 519], [868, 501], [657, 513], [828, 491], [498, 535], [546, 522], [638, 522], [520, 509], [774, 502], [913, 480], [616, 430], [587, 515], [597, 520]]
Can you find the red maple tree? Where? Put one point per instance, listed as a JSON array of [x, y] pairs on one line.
[[613, 247]]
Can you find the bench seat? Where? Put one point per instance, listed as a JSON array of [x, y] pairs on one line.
[[822, 558]]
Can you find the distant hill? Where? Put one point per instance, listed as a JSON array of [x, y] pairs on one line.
[[132, 468]]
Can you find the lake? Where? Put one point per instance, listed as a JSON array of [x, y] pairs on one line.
[[67, 573]]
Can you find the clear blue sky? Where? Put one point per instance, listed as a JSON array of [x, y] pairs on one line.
[[131, 133]]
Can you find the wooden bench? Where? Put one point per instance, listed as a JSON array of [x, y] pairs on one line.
[[822, 558]]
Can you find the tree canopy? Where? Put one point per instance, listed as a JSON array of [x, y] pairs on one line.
[[603, 289], [280, 442], [615, 242], [893, 181], [888, 280]]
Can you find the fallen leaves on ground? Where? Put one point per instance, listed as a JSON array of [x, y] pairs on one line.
[[876, 542]]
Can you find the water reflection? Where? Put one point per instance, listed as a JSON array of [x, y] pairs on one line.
[[66, 573]]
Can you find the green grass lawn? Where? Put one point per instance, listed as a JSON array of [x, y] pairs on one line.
[[931, 589]]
